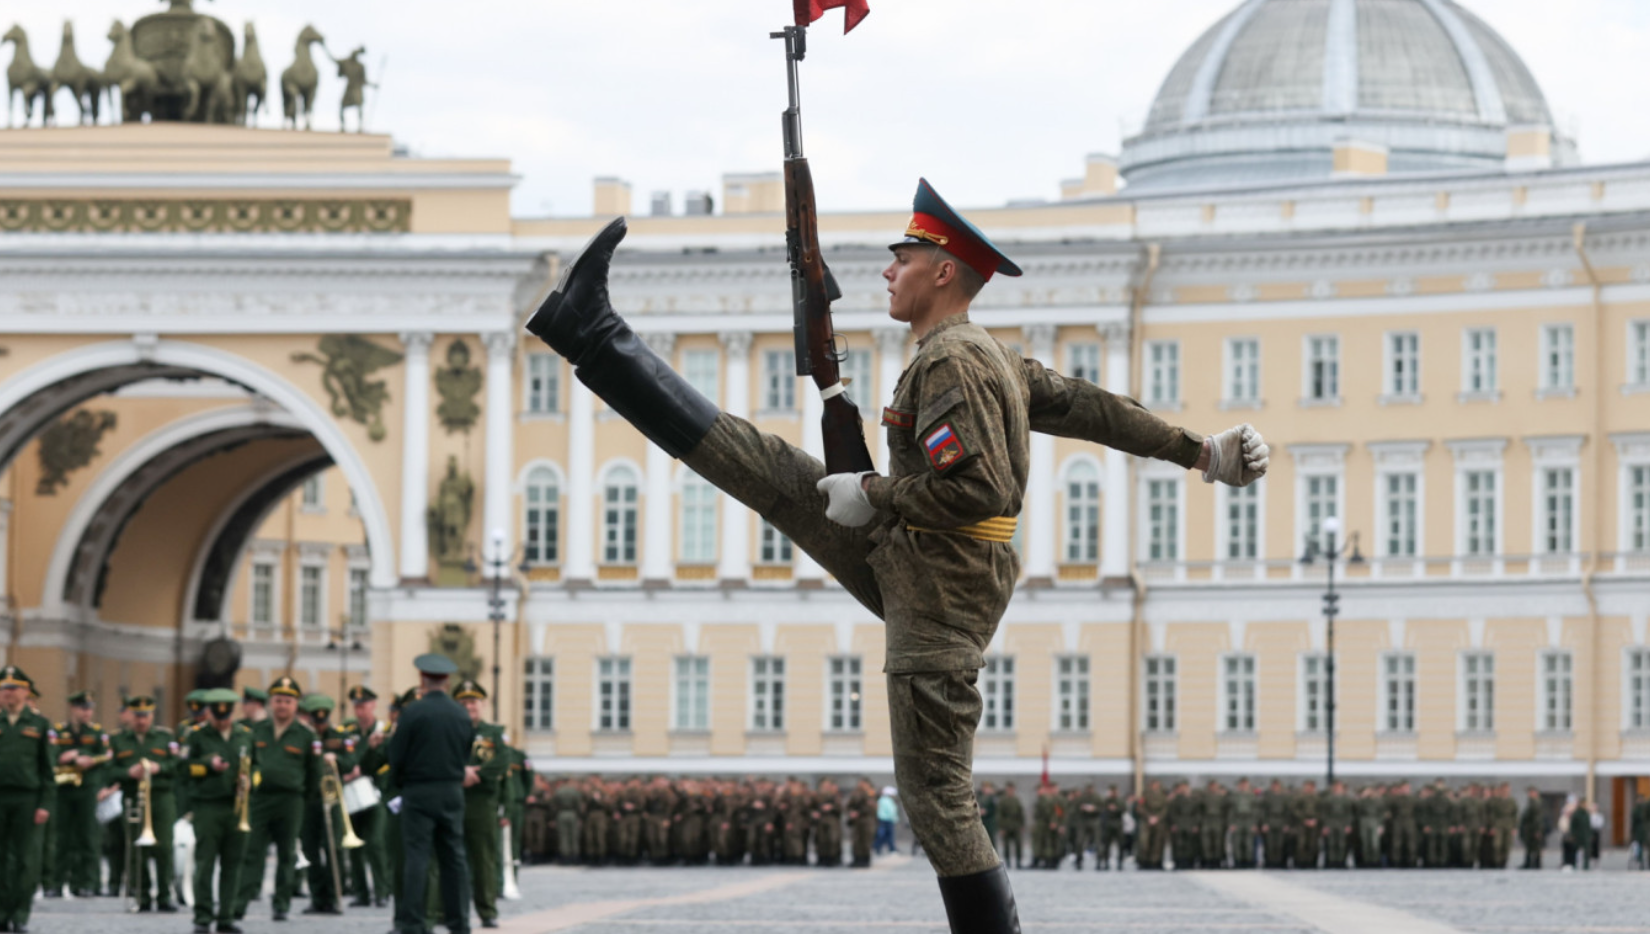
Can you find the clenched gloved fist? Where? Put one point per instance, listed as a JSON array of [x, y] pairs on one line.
[[849, 505], [1237, 457]]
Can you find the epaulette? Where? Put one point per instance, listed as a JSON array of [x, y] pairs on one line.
[[162, 731]]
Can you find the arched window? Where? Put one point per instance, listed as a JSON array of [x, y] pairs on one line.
[[1082, 514], [698, 519], [542, 522], [619, 516]]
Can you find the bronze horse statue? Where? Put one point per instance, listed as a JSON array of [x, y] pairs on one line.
[[86, 84], [211, 86], [27, 79], [251, 80], [137, 79], [299, 82]]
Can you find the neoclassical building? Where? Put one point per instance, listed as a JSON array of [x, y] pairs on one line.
[[1352, 223]]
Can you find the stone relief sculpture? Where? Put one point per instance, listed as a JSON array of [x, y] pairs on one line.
[[455, 642], [299, 81], [26, 79], [86, 84], [70, 444], [457, 383], [448, 520], [346, 361]]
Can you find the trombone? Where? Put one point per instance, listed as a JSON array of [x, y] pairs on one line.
[[243, 793], [332, 793], [139, 813]]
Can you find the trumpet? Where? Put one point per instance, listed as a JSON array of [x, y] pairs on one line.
[[243, 793]]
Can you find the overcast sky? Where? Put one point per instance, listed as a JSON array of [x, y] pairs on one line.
[[991, 99]]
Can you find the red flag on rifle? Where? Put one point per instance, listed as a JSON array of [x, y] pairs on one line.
[[809, 10]]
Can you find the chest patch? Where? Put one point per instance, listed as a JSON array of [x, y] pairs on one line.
[[894, 418], [943, 446]]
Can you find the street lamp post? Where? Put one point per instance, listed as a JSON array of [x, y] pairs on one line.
[[1331, 552], [494, 562], [343, 641]]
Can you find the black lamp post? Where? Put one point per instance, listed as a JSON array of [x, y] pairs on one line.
[[494, 561], [1331, 552], [343, 641]]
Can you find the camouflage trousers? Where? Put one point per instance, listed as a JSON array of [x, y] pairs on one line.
[[933, 713]]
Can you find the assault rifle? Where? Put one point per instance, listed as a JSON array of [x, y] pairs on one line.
[[813, 288]]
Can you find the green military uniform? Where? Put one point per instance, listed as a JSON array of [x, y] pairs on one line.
[[286, 764], [1433, 810], [1274, 825], [519, 784], [433, 740], [369, 864], [1184, 810], [322, 836], [596, 831], [1306, 817], [827, 826], [481, 807], [1111, 829], [1152, 827], [1046, 825], [987, 802], [1403, 848], [862, 816], [159, 747], [28, 787], [391, 790], [1473, 828], [1340, 814], [1243, 817], [1371, 811], [1086, 819], [568, 804], [215, 761], [1212, 816], [75, 817]]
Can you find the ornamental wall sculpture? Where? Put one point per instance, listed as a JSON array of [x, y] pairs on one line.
[[200, 215]]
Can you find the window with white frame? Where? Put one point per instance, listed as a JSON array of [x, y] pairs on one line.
[[1320, 497], [619, 516], [699, 368], [1398, 692], [1478, 376], [539, 694], [310, 494], [357, 598], [263, 594], [1638, 507], [1163, 520], [1323, 368], [1314, 692], [997, 693], [1478, 692], [1558, 510], [1082, 513], [613, 694], [1243, 370], [1158, 709], [1163, 373], [1479, 489], [1237, 685], [1558, 357], [1242, 522], [1638, 689], [692, 693], [778, 381], [311, 596], [844, 686], [1557, 691], [774, 546], [767, 693], [1403, 364], [541, 504], [543, 383], [698, 527], [1071, 692], [1083, 362], [855, 370], [1638, 353], [1400, 514]]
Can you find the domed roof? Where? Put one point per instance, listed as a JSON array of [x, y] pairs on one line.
[[1265, 93]]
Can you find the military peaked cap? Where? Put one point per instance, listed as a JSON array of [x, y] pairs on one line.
[[80, 699], [255, 694], [196, 699], [317, 702], [286, 687], [12, 676], [935, 222], [435, 665], [467, 689], [221, 701], [361, 693], [139, 703]]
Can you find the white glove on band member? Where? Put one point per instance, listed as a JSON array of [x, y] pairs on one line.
[[1237, 457], [848, 506]]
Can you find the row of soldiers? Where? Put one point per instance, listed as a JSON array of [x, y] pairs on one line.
[[594, 821], [1378, 825], [282, 767]]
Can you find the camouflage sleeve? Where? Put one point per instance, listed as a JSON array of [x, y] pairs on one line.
[[959, 425], [1075, 408]]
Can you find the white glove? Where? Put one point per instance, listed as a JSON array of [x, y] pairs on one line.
[[1237, 457], [848, 505], [394, 804]]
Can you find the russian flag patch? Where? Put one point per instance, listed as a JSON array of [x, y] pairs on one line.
[[943, 447]]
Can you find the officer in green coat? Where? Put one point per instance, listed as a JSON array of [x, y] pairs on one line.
[[322, 817], [286, 763], [1011, 824], [254, 707], [82, 750], [218, 754], [146, 748], [484, 776], [371, 736], [434, 739], [28, 788]]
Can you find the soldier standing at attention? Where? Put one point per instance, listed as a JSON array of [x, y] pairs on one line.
[[1087, 818], [862, 821], [1011, 824], [27, 788], [1274, 824], [987, 802], [1216, 805], [1371, 809], [1405, 846], [484, 773], [1111, 829], [432, 743], [147, 748], [214, 752], [1243, 817], [1183, 818], [1045, 826], [828, 824], [1153, 826], [1339, 816], [371, 737], [599, 818], [286, 757], [927, 548], [1306, 817], [84, 747], [568, 804]]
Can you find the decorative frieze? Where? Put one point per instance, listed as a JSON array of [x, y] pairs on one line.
[[196, 215]]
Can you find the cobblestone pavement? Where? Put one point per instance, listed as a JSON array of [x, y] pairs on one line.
[[900, 895]]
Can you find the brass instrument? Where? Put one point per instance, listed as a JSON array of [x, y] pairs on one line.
[[332, 794], [243, 792], [138, 814], [67, 775]]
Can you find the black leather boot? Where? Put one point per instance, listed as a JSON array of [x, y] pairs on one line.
[[982, 903], [579, 322]]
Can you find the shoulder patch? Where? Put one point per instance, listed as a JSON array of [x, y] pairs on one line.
[[894, 418], [944, 447]]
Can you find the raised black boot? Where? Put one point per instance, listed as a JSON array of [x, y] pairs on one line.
[[982, 903], [579, 322]]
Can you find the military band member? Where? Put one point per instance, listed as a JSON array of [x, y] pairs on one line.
[[485, 772], [337, 753], [28, 787], [82, 751], [214, 753], [146, 748], [371, 735], [254, 707], [434, 739], [286, 757]]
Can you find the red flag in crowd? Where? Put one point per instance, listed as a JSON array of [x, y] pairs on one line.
[[1045, 765], [809, 10]]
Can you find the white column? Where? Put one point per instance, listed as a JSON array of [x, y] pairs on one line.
[[415, 457], [501, 358], [890, 364], [581, 481], [808, 571], [1041, 529], [1114, 532], [656, 563], [735, 565]]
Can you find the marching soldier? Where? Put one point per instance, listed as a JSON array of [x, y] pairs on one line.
[[322, 846], [146, 748], [286, 764], [215, 752], [28, 787], [827, 814], [1111, 829], [82, 749], [369, 864], [862, 817], [483, 780], [433, 740]]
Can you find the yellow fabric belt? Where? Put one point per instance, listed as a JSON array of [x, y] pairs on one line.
[[1000, 529]]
